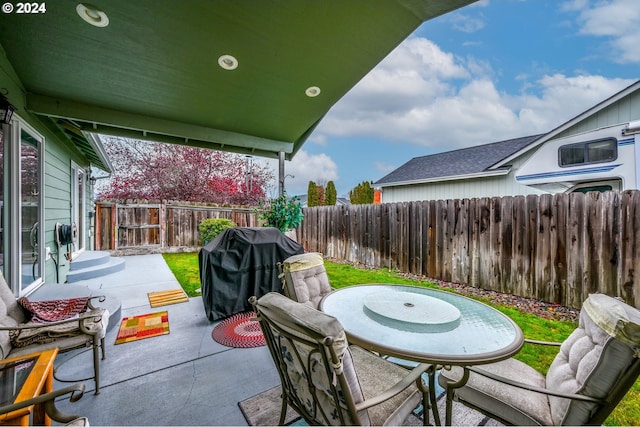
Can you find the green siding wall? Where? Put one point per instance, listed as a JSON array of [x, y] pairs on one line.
[[58, 154]]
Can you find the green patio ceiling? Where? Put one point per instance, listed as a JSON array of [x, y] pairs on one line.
[[153, 71]]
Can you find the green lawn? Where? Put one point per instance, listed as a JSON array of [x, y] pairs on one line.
[[185, 267]]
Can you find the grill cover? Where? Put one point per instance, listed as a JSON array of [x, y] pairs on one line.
[[241, 262]]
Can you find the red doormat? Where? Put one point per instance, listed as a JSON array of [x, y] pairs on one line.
[[143, 326], [240, 331]]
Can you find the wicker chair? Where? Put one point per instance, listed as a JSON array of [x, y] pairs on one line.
[[596, 366], [328, 382]]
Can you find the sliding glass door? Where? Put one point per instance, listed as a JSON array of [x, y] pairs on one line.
[[21, 206], [30, 209]]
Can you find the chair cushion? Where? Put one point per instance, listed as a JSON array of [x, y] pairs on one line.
[[593, 358], [377, 375], [10, 315], [5, 339], [618, 319], [513, 404], [306, 279], [64, 344], [13, 310]]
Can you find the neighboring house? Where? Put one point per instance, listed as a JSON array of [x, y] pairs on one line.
[[468, 172], [594, 151]]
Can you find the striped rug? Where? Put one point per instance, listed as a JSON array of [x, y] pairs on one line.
[[173, 296]]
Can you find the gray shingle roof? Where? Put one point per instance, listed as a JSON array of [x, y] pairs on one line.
[[464, 161]]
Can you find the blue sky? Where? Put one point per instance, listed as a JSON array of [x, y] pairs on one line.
[[494, 70]]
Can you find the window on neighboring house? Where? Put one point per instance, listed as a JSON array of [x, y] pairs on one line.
[[600, 151]]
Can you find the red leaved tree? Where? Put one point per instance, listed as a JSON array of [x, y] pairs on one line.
[[156, 171]]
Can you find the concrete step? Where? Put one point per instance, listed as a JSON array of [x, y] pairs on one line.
[[89, 259], [54, 291], [111, 266]]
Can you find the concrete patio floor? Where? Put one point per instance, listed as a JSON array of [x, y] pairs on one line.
[[183, 378]]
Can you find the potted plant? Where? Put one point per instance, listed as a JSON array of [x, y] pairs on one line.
[[283, 213]]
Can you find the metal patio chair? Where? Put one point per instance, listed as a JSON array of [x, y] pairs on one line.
[[84, 331], [596, 366], [327, 381]]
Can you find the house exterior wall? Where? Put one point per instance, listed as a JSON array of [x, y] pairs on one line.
[[59, 152], [58, 187], [625, 110], [504, 185]]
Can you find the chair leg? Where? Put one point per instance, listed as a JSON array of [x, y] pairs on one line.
[[96, 362], [450, 387], [425, 400], [432, 395], [104, 356], [283, 411]]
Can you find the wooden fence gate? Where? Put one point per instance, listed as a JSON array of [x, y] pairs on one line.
[[159, 225]]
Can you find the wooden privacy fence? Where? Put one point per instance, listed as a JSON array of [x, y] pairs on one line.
[[558, 248], [159, 225]]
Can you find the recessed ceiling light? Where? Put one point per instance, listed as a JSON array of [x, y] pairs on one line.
[[92, 15], [228, 62], [312, 91]]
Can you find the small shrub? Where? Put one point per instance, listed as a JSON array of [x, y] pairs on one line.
[[211, 227]]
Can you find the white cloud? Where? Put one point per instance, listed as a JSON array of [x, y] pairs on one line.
[[305, 167], [618, 20], [563, 98], [466, 23], [422, 95]]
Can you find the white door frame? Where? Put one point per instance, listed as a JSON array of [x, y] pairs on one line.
[[79, 207]]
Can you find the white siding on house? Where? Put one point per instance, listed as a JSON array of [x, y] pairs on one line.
[[504, 185], [624, 110]]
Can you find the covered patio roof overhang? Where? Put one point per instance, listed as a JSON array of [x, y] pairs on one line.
[[250, 76]]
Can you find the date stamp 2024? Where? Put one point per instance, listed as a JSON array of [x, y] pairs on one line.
[[24, 8]]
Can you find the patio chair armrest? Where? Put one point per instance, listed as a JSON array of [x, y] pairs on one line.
[[85, 316], [536, 342], [100, 298], [533, 388], [413, 375], [76, 390]]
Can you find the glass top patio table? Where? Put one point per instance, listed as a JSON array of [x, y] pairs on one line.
[[423, 325]]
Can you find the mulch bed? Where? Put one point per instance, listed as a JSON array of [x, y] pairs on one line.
[[534, 306]]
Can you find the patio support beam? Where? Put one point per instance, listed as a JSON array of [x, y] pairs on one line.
[[281, 173], [102, 118]]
